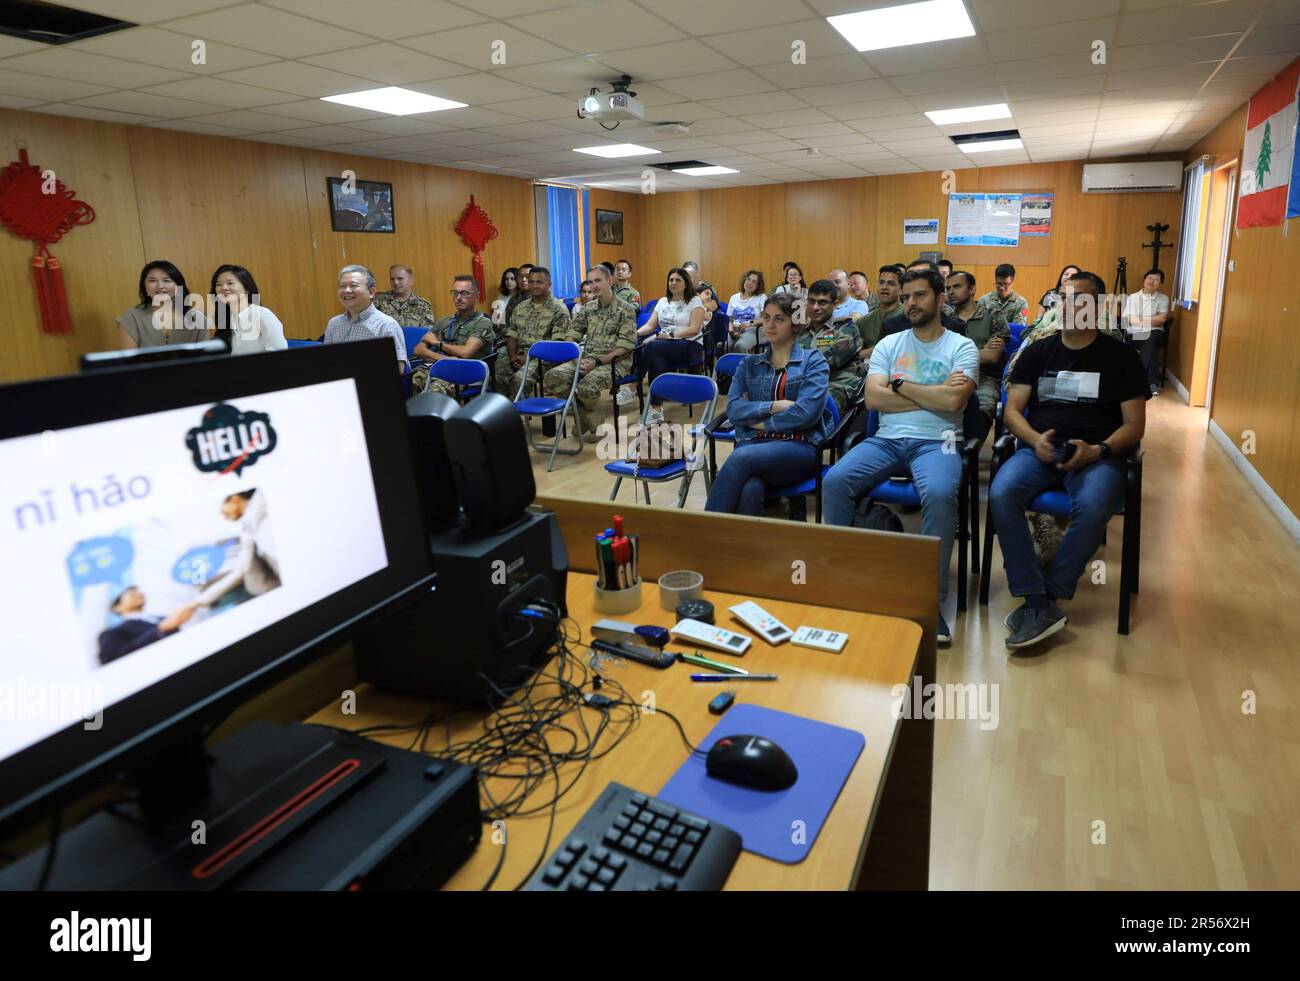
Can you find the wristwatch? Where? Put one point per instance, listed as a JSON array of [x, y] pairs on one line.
[[1104, 451], [896, 383]]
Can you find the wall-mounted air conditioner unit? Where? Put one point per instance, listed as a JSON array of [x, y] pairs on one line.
[[1121, 178]]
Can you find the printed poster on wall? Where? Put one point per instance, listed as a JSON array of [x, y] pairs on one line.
[[976, 218], [920, 231], [1036, 215]]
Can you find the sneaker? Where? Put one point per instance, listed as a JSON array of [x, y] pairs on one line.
[[1035, 626], [1154, 391], [945, 635], [1016, 617], [655, 415], [626, 395]]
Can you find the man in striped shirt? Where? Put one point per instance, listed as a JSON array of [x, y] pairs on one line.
[[360, 320]]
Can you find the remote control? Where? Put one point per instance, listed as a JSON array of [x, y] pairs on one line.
[[707, 635], [722, 702], [635, 652], [761, 622], [820, 640]]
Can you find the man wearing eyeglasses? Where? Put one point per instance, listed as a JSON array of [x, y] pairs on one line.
[[465, 334], [539, 318], [401, 302]]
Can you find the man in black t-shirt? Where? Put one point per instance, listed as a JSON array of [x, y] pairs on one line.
[[1081, 395]]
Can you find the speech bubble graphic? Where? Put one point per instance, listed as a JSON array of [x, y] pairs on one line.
[[99, 560], [197, 566]]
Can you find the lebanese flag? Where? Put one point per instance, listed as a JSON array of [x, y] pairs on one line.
[[1268, 152]]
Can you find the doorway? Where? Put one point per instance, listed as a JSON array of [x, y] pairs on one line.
[[1221, 274], [1220, 211]]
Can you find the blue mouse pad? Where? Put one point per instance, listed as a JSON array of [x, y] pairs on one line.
[[782, 824]]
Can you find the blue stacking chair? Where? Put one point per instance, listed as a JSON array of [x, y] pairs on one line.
[[721, 430], [1056, 502], [685, 390], [295, 343], [902, 492], [813, 485], [551, 353], [469, 375], [412, 337]]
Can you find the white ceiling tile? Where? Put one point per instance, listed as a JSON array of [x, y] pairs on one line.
[[763, 102], [266, 29], [810, 132], [83, 66], [911, 146], [147, 11], [396, 19], [955, 80], [1073, 39], [587, 30], [282, 139], [388, 63], [869, 110], [1167, 75], [1189, 20], [221, 92], [104, 115], [1043, 88], [659, 61], [539, 107], [257, 122], [717, 85], [819, 71], [316, 111], [869, 90], [147, 104], [170, 50], [18, 102], [207, 129], [10, 46], [299, 79], [1135, 56], [1268, 65], [473, 118], [792, 117], [332, 134], [1033, 69], [1002, 15], [1145, 109], [775, 45], [966, 52], [44, 89], [476, 46], [569, 76], [477, 88], [1137, 101], [1275, 40], [398, 126]]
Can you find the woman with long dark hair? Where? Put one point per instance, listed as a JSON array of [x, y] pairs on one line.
[[794, 284], [164, 314], [1050, 298], [777, 404], [243, 323], [674, 334], [510, 285]]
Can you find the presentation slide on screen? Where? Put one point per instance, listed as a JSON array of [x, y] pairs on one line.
[[134, 548]]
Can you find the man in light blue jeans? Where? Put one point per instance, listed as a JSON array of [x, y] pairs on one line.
[[919, 381]]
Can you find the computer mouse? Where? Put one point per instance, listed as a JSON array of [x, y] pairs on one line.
[[751, 761]]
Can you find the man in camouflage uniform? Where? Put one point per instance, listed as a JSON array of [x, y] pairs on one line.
[[988, 328], [838, 341], [539, 318], [608, 327], [465, 334], [623, 287], [1012, 306], [401, 303]]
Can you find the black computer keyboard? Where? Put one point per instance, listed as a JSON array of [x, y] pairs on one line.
[[630, 841]]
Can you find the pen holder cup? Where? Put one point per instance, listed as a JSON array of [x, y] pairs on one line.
[[618, 600]]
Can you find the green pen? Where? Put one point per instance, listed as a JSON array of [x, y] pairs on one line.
[[701, 661]]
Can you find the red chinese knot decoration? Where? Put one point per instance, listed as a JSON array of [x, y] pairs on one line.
[[476, 230], [42, 210]]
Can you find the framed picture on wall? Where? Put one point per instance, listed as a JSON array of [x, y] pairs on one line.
[[360, 206], [609, 227]]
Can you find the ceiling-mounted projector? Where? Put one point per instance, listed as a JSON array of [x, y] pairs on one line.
[[620, 103]]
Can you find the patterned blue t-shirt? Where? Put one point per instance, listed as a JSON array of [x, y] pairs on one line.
[[903, 355]]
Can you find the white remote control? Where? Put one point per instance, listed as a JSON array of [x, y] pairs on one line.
[[707, 635], [820, 640], [761, 622]]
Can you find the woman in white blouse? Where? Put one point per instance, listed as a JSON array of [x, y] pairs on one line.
[[674, 334], [746, 310], [794, 284], [246, 326], [510, 285]]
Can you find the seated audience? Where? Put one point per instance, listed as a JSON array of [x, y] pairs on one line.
[[1079, 392], [165, 314], [465, 334], [794, 285], [988, 330], [510, 285], [777, 404], [849, 306], [674, 334], [1050, 298], [860, 289], [360, 319], [401, 303], [945, 268], [521, 294], [745, 310], [919, 381], [539, 318], [585, 295], [606, 327], [836, 339], [1145, 315], [898, 322], [692, 269], [246, 326], [623, 287], [1011, 304], [715, 324]]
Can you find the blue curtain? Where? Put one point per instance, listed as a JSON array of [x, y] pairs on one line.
[[566, 257]]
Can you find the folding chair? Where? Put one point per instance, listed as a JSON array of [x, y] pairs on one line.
[[551, 353], [720, 429], [813, 485], [469, 375], [686, 390]]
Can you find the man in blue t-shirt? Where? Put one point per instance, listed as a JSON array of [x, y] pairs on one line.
[[919, 380], [1076, 403]]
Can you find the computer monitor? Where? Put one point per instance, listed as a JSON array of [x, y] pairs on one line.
[[176, 537], [135, 356]]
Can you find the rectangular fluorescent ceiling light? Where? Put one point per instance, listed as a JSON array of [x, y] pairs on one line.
[[706, 171], [909, 23], [971, 114], [615, 150], [990, 145], [394, 101]]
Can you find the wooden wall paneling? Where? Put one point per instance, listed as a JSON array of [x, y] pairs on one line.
[[671, 223], [825, 226], [746, 228], [101, 261], [633, 235], [205, 201]]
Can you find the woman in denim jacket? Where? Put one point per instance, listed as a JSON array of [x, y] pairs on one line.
[[778, 405]]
